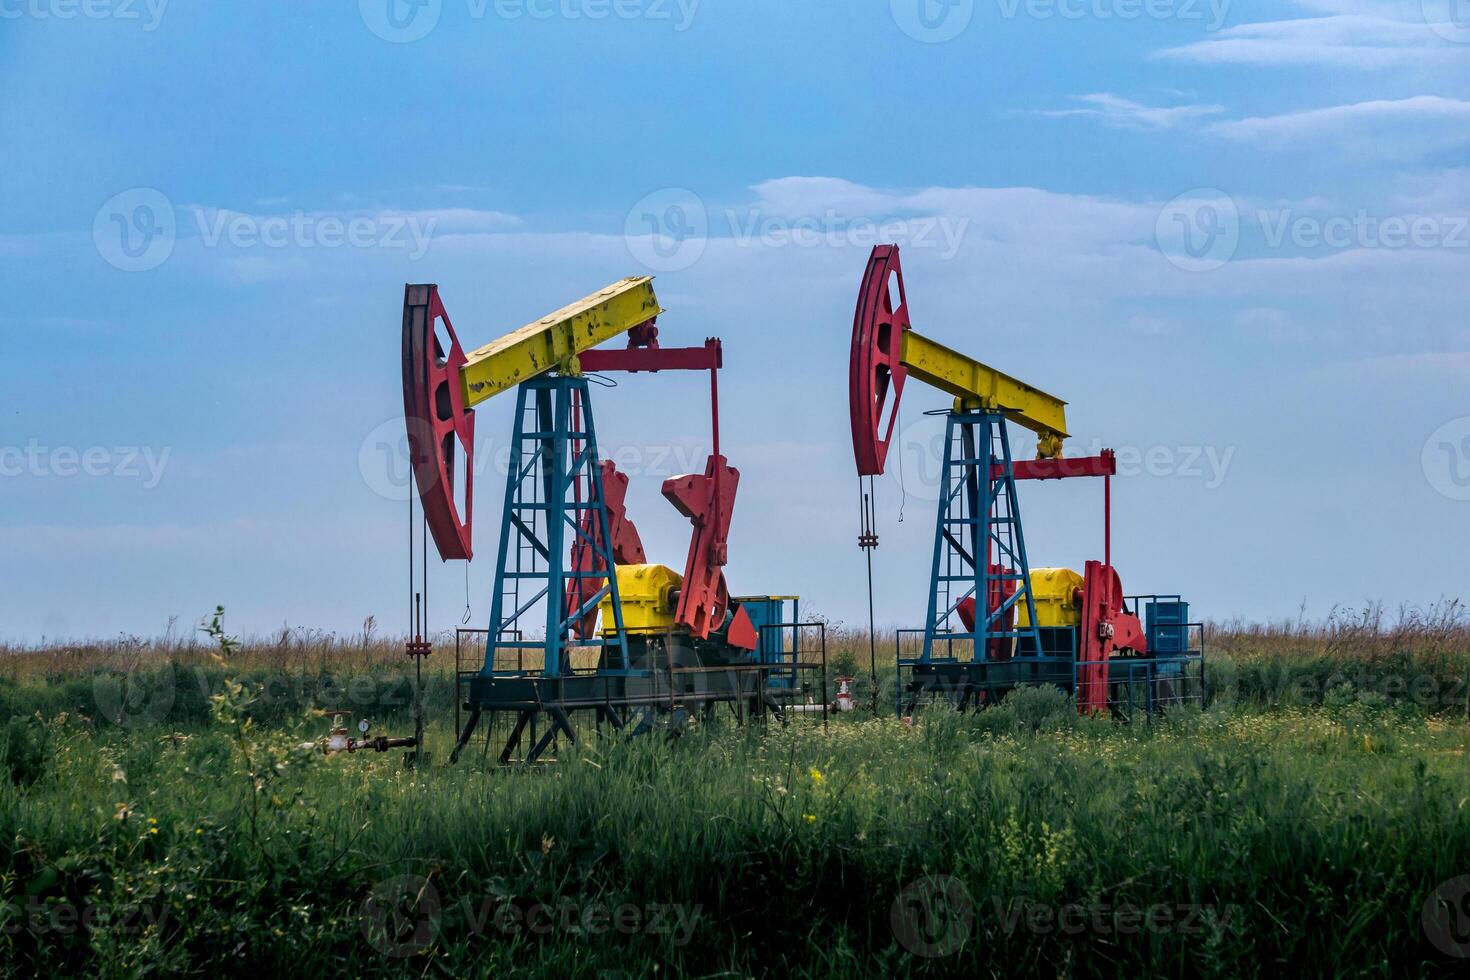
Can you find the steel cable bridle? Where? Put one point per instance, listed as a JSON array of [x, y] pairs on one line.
[[868, 540]]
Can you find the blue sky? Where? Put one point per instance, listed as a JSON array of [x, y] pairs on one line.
[[1232, 235]]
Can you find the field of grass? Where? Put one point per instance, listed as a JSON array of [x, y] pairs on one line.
[[159, 814]]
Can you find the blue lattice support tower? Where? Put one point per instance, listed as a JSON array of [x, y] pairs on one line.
[[979, 546], [551, 463]]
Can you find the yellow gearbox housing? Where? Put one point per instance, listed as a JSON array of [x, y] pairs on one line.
[[647, 592], [1054, 590]]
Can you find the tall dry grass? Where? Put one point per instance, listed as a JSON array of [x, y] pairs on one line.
[[291, 649], [1418, 653]]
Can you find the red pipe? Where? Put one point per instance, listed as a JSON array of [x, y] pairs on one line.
[[714, 406]]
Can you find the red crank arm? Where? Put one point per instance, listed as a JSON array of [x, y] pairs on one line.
[[708, 501], [627, 547]]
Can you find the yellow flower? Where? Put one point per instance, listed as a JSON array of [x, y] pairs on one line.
[[809, 817], [816, 775]]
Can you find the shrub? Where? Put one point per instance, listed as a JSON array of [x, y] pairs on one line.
[[1043, 708], [24, 750]]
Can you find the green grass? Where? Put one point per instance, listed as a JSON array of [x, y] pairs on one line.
[[1293, 836], [1299, 832]]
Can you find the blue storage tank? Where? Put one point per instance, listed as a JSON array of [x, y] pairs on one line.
[[1167, 624], [776, 645]]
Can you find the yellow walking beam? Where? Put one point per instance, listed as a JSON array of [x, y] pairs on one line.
[[553, 342], [977, 385]]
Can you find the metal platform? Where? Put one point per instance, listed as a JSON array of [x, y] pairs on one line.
[[1148, 684], [669, 682]]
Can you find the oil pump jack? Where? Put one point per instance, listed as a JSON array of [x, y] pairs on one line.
[[571, 574], [993, 622]]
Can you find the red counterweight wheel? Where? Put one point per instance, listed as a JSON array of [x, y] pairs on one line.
[[437, 420], [876, 373]]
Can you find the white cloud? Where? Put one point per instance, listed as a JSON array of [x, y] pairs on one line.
[[1353, 41], [1034, 259], [1154, 326], [1041, 260], [235, 534], [1277, 326], [1444, 192], [797, 196], [1398, 128], [1415, 368], [993, 213], [1404, 10], [1124, 113], [455, 221], [252, 270]]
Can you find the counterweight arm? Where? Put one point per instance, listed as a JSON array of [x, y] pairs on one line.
[[442, 385], [553, 342], [978, 385], [886, 351]]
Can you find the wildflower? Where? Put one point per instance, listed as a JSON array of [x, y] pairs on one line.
[[809, 817], [816, 775]]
